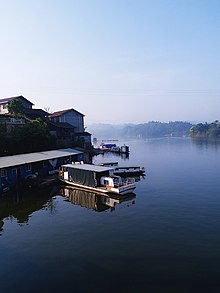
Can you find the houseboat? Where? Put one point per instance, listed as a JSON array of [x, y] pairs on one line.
[[96, 178]]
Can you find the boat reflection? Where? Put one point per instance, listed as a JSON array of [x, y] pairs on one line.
[[95, 201], [123, 156]]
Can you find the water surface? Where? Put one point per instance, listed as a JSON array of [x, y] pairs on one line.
[[165, 238]]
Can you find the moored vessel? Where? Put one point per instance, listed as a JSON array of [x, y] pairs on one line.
[[96, 178]]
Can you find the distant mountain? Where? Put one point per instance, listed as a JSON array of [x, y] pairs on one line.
[[149, 129]]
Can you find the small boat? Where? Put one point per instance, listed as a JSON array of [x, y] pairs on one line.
[[112, 147], [124, 170], [107, 146], [129, 170], [96, 178]]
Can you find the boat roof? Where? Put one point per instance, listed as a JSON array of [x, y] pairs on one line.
[[15, 160], [88, 167], [107, 163]]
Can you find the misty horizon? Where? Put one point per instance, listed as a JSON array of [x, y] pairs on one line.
[[116, 62]]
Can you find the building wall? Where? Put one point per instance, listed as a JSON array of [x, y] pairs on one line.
[[73, 118], [3, 109], [25, 103], [16, 175]]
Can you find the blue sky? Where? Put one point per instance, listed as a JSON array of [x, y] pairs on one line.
[[116, 61]]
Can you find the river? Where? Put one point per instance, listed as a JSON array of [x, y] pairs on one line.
[[164, 238]]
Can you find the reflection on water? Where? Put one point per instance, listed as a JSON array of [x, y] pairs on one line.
[[97, 202], [168, 241], [122, 156], [204, 143], [19, 206]]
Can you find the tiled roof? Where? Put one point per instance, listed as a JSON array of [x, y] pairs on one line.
[[60, 113], [6, 100]]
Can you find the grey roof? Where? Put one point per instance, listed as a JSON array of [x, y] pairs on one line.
[[88, 167], [16, 160]]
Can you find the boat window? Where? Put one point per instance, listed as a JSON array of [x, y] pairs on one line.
[[116, 181], [106, 182]]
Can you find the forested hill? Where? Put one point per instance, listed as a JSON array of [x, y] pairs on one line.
[[149, 129], [206, 130]]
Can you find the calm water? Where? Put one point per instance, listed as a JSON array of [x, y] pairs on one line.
[[165, 238]]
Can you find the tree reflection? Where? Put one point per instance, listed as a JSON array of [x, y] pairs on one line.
[[20, 206], [205, 143]]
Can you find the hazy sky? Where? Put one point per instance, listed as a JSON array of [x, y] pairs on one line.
[[115, 61]]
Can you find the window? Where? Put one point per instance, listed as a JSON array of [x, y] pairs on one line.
[[5, 106], [44, 164], [28, 167], [3, 173]]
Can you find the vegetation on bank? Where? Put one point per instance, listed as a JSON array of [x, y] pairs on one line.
[[145, 130], [206, 130], [31, 137]]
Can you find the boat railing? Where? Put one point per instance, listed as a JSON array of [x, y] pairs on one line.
[[128, 181]]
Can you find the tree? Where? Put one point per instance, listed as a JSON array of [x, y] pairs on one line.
[[34, 136], [3, 139], [16, 108]]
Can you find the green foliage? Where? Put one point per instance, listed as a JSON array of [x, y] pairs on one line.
[[32, 137], [3, 139], [150, 129], [206, 130], [16, 108]]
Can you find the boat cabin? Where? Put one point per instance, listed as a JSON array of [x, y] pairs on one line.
[[88, 175]]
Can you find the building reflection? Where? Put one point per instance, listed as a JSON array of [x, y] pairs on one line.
[[97, 202], [20, 206]]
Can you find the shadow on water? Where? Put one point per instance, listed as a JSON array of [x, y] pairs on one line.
[[20, 205]]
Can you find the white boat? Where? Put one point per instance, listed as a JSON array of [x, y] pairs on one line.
[[112, 147], [96, 178]]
